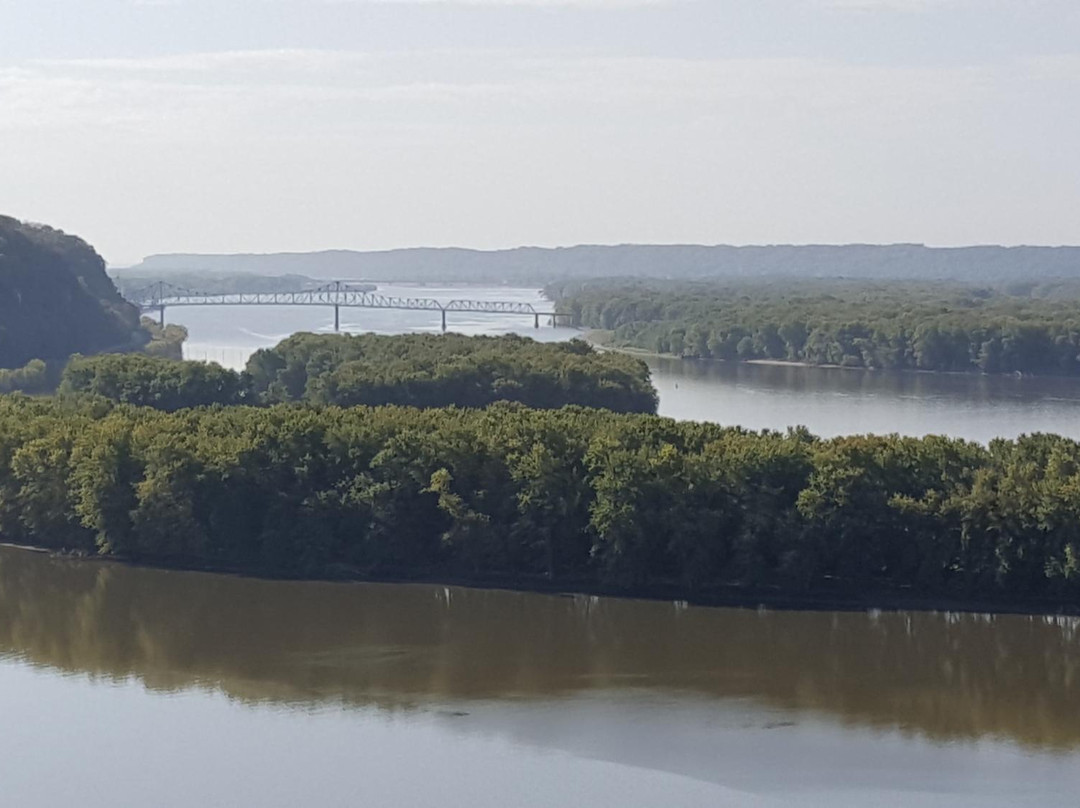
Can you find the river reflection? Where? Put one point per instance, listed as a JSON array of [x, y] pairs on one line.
[[832, 401], [941, 676]]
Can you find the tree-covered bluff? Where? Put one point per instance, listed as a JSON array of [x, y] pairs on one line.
[[55, 298], [578, 497], [1027, 328]]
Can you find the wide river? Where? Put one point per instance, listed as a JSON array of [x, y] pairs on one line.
[[828, 401], [124, 686]]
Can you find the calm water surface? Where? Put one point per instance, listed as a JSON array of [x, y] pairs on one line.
[[134, 687], [122, 686], [830, 402]]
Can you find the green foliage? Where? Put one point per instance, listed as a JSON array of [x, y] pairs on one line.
[[425, 370], [167, 342], [55, 298], [852, 324], [408, 369], [35, 378], [164, 384], [576, 495]]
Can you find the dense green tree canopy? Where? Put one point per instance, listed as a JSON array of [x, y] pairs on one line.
[[35, 378], [164, 384], [581, 496], [410, 369], [55, 298], [1028, 329], [427, 370]]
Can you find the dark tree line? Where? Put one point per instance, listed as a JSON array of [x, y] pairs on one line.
[[852, 324], [579, 496], [146, 381], [428, 370]]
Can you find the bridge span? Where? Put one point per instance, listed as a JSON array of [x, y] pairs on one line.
[[338, 294]]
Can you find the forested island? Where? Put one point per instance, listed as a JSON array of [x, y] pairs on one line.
[[1023, 328], [420, 370], [578, 498], [504, 460]]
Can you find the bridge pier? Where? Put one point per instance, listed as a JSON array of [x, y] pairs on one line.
[[337, 319], [161, 316], [536, 321]]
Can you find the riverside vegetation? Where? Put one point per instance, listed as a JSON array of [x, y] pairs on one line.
[[420, 370], [1022, 328], [577, 497], [160, 460]]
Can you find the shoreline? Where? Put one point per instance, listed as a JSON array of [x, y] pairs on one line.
[[588, 336], [727, 596]]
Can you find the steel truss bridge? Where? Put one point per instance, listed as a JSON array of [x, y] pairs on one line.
[[338, 294]]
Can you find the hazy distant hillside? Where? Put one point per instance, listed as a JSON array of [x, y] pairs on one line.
[[535, 265], [55, 298], [132, 281]]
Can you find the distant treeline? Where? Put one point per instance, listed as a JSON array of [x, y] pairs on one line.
[[131, 283], [420, 370], [581, 496], [537, 265], [1033, 329]]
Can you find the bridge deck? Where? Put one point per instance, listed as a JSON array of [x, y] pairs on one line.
[[338, 294]]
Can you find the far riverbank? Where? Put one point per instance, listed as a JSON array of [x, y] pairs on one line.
[[595, 337], [829, 401]]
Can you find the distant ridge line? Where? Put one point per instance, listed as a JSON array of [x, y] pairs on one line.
[[903, 261]]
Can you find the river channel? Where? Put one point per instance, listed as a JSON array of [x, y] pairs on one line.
[[828, 401], [124, 686]]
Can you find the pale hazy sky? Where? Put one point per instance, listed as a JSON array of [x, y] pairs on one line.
[[262, 125]]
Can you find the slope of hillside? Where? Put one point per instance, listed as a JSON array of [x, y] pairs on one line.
[[55, 298], [535, 265]]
